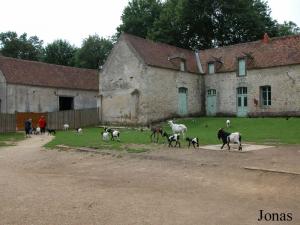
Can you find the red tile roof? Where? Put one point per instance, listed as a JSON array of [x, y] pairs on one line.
[[157, 54], [24, 72], [277, 52]]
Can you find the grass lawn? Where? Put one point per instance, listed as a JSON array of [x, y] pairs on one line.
[[255, 130], [8, 139]]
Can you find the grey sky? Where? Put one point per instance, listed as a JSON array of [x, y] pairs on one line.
[[75, 20]]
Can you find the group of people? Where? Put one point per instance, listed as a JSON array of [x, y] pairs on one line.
[[29, 128]]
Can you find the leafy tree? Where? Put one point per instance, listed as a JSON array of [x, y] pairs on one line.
[[211, 23], [288, 28], [139, 16], [60, 52], [20, 47], [93, 52]]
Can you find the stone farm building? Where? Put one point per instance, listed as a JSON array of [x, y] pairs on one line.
[[143, 81], [28, 86]]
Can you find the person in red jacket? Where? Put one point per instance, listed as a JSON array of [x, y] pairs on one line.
[[42, 124]]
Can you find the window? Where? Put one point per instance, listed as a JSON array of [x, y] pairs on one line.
[[182, 65], [241, 67], [265, 95], [211, 68], [211, 92], [66, 103]]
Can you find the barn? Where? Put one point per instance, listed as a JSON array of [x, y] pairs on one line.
[[143, 81], [28, 86]]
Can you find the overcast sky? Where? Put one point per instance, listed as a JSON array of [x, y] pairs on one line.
[[74, 20]]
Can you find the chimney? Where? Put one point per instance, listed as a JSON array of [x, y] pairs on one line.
[[266, 39], [197, 56]]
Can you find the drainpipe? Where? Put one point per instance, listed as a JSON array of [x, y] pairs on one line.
[[197, 56]]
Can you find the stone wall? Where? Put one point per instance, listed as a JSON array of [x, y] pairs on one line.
[[285, 90], [132, 92], [42, 99]]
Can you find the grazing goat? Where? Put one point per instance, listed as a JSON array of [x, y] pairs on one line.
[[172, 138], [228, 123], [66, 126], [79, 130], [156, 131], [230, 137], [194, 141], [177, 128], [51, 131], [114, 133], [105, 136]]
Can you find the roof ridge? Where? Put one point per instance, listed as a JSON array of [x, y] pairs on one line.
[[39, 62], [157, 42]]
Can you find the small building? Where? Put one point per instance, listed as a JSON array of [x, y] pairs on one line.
[[29, 86], [143, 81]]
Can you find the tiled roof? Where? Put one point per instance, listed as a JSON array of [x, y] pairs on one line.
[[24, 72], [277, 52], [157, 54]]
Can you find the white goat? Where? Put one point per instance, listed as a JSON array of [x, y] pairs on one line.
[[105, 136], [228, 123], [66, 126], [177, 128]]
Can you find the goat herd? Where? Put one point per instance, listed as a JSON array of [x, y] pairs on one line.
[[177, 131]]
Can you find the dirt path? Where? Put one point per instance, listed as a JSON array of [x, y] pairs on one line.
[[165, 187]]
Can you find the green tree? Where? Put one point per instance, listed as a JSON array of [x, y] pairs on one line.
[[288, 28], [60, 52], [139, 16], [20, 47], [211, 23], [93, 52]]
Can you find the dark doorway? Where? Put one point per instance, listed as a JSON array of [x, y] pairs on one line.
[[66, 103]]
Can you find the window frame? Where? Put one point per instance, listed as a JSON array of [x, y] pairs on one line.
[[265, 96], [240, 59], [208, 67]]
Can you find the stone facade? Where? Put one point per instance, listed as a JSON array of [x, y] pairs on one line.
[[141, 80], [22, 98], [285, 91], [133, 92]]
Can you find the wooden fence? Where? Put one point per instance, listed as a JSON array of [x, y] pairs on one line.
[[75, 118], [55, 120], [7, 122]]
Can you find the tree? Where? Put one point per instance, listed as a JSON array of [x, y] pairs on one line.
[[93, 52], [288, 28], [139, 16], [20, 47], [60, 52], [211, 23]]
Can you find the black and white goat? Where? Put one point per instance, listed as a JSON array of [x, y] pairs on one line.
[[230, 137], [193, 141], [172, 138], [115, 134], [79, 130]]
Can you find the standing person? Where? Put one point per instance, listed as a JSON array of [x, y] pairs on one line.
[[42, 124], [28, 127]]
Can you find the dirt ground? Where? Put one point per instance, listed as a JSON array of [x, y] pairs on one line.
[[160, 187]]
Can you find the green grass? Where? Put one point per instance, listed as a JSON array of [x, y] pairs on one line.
[[255, 130], [8, 139]]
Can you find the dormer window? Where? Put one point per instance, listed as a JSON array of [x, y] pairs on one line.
[[241, 67], [211, 68], [182, 65]]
